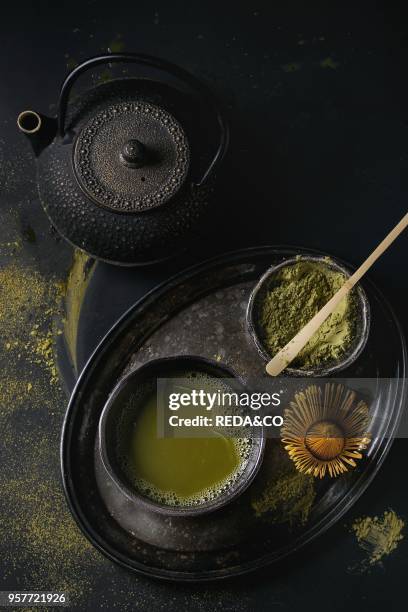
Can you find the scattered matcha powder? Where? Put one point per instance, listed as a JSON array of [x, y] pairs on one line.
[[379, 536], [328, 62], [36, 527], [117, 45], [28, 302], [291, 67], [288, 499], [284, 495], [42, 546], [298, 292]]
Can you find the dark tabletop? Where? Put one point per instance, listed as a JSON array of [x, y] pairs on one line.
[[317, 98]]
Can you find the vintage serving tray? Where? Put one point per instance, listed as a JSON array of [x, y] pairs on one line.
[[202, 311]]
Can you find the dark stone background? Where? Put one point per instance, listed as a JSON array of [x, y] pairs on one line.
[[318, 98]]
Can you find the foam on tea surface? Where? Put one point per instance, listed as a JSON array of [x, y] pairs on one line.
[[179, 471]]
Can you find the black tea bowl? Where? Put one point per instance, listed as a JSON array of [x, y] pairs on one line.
[[120, 497], [362, 317]]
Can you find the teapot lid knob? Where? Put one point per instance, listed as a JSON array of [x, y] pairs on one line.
[[133, 154]]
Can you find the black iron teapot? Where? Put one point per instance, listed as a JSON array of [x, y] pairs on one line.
[[125, 170]]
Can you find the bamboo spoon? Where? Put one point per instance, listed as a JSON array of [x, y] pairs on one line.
[[288, 353]]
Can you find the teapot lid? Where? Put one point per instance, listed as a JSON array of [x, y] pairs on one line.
[[131, 157]]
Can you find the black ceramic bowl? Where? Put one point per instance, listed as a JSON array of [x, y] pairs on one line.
[[136, 386], [326, 368]]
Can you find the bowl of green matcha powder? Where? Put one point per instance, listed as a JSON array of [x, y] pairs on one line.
[[289, 295]]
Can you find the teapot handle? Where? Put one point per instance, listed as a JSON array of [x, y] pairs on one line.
[[183, 75]]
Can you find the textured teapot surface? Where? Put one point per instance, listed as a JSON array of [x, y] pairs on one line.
[[101, 204], [124, 170]]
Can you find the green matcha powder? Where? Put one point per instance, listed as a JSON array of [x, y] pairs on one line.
[[298, 292]]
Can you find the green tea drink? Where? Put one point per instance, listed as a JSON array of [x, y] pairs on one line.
[[180, 470]]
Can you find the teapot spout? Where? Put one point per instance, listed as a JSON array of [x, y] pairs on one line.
[[39, 129]]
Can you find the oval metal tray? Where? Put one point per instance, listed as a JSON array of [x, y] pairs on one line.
[[202, 311]]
